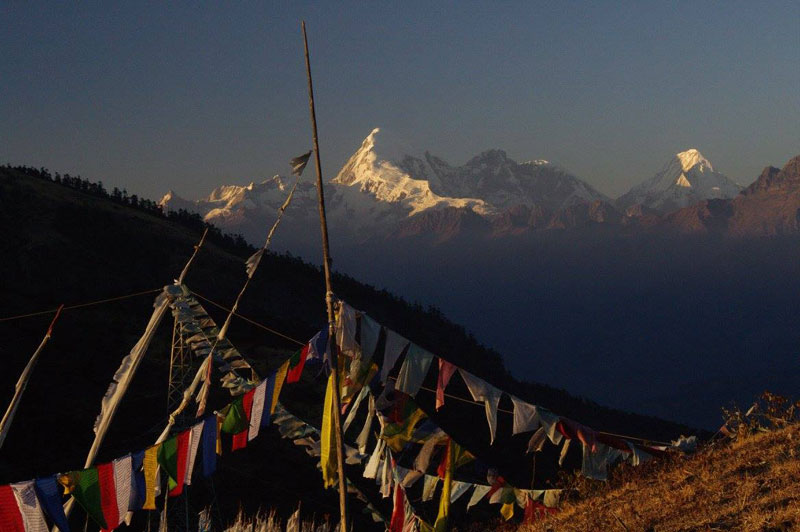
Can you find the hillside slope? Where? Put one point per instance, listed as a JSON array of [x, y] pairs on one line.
[[748, 486]]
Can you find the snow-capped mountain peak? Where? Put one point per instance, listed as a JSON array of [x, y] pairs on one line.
[[691, 158], [685, 179]]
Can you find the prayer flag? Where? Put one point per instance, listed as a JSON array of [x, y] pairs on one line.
[[50, 498], [483, 391], [480, 492], [137, 485], [172, 456], [395, 346], [194, 445], [280, 377], [296, 364], [446, 370], [240, 438], [299, 163], [234, 420], [150, 466], [121, 467], [10, 516], [29, 508], [327, 446], [257, 412], [209, 445], [398, 512], [413, 371], [526, 417], [84, 486], [444, 501]]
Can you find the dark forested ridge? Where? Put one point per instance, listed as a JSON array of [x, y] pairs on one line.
[[65, 240]]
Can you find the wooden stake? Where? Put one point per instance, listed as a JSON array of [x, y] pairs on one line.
[[326, 266]]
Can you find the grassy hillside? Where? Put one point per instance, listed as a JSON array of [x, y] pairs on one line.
[[747, 486], [67, 244]]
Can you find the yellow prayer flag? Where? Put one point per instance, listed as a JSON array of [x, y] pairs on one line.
[[507, 510], [280, 376], [150, 464], [327, 447], [444, 502]]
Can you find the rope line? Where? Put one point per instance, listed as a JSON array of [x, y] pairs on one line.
[[252, 322], [81, 305]]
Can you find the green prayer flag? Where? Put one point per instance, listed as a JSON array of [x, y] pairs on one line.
[[85, 487], [168, 459], [235, 420]]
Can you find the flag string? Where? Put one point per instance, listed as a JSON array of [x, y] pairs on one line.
[[506, 411]]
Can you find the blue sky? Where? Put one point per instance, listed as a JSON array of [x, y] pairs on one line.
[[186, 96]]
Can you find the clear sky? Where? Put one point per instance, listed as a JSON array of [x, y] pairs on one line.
[[189, 96]]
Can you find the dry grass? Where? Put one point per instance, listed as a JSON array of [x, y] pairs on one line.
[[752, 484]]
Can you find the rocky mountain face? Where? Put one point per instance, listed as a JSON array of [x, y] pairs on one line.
[[768, 207]]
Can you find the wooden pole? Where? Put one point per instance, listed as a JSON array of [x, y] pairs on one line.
[[326, 267], [22, 383]]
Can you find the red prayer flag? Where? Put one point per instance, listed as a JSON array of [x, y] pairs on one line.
[[398, 513], [183, 458], [10, 516], [108, 495], [295, 371], [240, 438], [446, 370]]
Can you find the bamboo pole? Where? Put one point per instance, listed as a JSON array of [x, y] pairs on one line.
[[22, 383], [326, 266]]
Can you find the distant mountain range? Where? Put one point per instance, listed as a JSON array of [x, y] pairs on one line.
[[386, 191]]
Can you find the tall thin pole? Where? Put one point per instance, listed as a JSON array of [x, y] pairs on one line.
[[326, 267], [22, 383]]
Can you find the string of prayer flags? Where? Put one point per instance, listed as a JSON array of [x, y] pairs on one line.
[[483, 391], [200, 332], [299, 163], [50, 499]]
